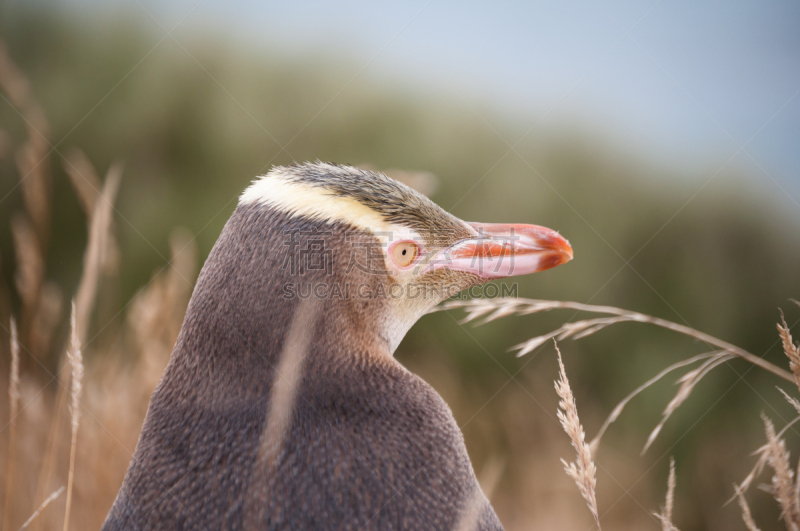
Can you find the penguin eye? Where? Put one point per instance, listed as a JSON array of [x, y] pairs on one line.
[[404, 253]]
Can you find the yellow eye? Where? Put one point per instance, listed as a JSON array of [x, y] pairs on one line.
[[404, 253]]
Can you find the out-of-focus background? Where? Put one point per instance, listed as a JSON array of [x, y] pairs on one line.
[[662, 138]]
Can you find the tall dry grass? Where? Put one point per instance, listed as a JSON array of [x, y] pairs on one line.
[[785, 483], [583, 470], [74, 430], [72, 427], [90, 457], [665, 516], [13, 401], [75, 358]]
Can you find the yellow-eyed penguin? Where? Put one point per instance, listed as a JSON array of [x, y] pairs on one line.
[[282, 406]]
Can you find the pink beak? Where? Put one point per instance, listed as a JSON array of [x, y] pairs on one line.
[[505, 250]]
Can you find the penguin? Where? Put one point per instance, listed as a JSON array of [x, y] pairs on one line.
[[282, 406]]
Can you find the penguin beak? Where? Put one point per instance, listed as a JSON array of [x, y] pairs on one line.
[[503, 250]]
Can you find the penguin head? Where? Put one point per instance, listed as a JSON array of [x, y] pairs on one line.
[[393, 245]]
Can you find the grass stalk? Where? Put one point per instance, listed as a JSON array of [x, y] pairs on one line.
[[42, 507], [492, 309], [13, 396], [665, 516], [76, 362], [583, 470]]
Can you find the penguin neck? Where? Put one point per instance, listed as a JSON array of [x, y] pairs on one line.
[[263, 266]]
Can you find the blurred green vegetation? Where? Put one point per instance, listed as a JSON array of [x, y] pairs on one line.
[[196, 118]]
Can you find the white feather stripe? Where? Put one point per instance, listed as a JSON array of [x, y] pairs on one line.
[[314, 202]]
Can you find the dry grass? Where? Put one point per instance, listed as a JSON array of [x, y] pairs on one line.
[[288, 376], [76, 432], [490, 309], [113, 396], [785, 487], [790, 349], [785, 484], [13, 401], [747, 517], [470, 513], [42, 507], [96, 251], [583, 470], [76, 362], [41, 300], [46, 455], [665, 516], [783, 481]]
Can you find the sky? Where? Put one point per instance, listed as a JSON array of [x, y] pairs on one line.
[[685, 80]]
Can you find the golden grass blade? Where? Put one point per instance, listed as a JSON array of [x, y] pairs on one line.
[[575, 330], [13, 389], [490, 475], [762, 461], [283, 397], [49, 463], [492, 309], [99, 224], [18, 90], [99, 228], [792, 401], [13, 83], [583, 470], [688, 382], [592, 326], [183, 269], [754, 473], [617, 411], [76, 362], [42, 507], [746, 515], [488, 311], [13, 396], [288, 377], [665, 516], [480, 307], [783, 481], [470, 513], [84, 180], [797, 486], [670, 501], [534, 343], [30, 265], [32, 156], [156, 313], [35, 187], [502, 311], [32, 231], [790, 349], [41, 301]]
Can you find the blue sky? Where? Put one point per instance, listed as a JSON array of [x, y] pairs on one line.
[[693, 82]]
